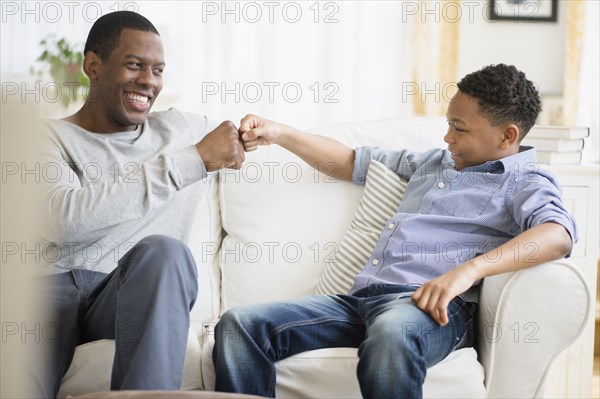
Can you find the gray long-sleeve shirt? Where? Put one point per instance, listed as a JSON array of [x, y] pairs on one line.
[[105, 192]]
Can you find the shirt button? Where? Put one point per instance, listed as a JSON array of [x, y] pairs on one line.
[[391, 226], [375, 262], [441, 184]]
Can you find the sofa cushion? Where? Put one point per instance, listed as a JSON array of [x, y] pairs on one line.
[[164, 395], [204, 242], [283, 221], [331, 373], [381, 198]]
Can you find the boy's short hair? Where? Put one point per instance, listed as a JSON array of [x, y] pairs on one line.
[[106, 31], [504, 95]]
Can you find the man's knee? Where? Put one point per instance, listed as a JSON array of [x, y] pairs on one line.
[[165, 254], [163, 244]]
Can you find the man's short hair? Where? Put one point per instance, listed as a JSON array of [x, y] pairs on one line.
[[106, 31], [504, 95]]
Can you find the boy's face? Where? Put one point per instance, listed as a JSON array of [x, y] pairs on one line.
[[471, 138], [130, 80]]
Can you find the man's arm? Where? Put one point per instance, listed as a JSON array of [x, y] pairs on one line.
[[542, 243], [78, 213], [318, 151]]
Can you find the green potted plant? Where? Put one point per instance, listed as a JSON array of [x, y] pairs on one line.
[[63, 63]]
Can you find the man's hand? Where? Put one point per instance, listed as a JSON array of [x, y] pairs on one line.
[[255, 131], [434, 296], [222, 148]]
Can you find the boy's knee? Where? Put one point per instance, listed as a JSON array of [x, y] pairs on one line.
[[229, 326], [242, 321], [231, 318]]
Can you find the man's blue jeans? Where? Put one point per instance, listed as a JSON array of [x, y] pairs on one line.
[[396, 341], [143, 305]]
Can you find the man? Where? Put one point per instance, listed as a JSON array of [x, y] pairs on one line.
[[480, 195], [128, 185]]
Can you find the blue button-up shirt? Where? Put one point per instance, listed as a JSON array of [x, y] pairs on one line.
[[448, 216]]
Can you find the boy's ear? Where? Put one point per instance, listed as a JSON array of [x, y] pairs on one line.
[[91, 65], [510, 136]]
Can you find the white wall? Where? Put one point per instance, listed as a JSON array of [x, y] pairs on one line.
[[537, 48]]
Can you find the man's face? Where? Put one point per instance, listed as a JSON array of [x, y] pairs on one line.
[[471, 138], [130, 80]]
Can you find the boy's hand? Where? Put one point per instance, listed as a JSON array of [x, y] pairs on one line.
[[434, 296], [318, 151], [549, 241], [255, 131]]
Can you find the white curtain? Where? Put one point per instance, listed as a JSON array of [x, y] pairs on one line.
[[436, 44], [588, 111], [306, 63]]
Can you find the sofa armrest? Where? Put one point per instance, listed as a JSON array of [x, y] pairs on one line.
[[525, 320]]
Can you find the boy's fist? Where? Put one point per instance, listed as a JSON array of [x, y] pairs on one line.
[[255, 131]]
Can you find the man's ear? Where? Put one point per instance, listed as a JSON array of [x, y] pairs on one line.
[[92, 64], [510, 136]]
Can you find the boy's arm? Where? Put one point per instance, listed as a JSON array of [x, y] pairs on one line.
[[318, 151], [542, 243]]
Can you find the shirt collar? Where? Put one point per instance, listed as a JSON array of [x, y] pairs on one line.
[[526, 155]]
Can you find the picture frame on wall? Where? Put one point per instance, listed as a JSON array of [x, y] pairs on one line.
[[524, 10]]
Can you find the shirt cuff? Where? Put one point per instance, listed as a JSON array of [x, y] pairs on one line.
[[362, 159], [188, 166], [565, 222]]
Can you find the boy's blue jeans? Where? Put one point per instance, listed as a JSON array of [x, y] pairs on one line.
[[396, 341]]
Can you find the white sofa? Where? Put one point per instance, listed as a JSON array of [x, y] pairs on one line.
[[267, 231]]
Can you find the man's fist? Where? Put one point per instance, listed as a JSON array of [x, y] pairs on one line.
[[222, 148]]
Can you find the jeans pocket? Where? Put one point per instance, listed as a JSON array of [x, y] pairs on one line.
[[462, 341], [464, 333], [467, 338]]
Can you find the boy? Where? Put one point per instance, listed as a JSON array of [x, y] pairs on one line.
[[480, 194]]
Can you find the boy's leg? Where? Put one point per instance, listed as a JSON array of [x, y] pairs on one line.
[[250, 339], [402, 341], [144, 305]]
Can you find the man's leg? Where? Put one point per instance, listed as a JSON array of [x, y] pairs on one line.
[[402, 341], [58, 345], [144, 305], [63, 295], [250, 339]]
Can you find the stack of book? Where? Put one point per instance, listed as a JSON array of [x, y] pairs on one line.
[[557, 144]]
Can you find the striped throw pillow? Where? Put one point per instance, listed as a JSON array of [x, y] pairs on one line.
[[381, 198]]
